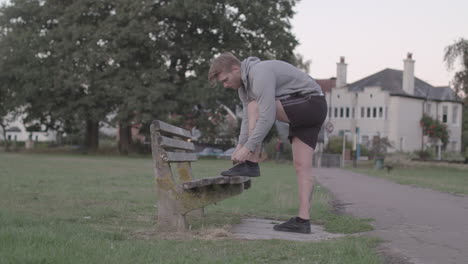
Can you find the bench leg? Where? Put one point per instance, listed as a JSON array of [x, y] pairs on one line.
[[170, 217], [200, 212]]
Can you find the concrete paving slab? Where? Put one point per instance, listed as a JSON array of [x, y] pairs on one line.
[[255, 228]]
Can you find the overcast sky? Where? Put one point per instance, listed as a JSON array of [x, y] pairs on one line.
[[376, 34], [373, 35]]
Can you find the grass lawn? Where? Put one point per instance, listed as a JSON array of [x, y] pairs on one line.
[[93, 209], [445, 179]]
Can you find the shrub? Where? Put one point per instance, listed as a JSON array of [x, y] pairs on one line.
[[423, 154], [434, 129], [335, 145]]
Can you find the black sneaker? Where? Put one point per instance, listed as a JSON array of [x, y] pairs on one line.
[[250, 169], [292, 225]]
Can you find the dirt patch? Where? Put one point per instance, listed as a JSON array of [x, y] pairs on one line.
[[215, 233], [339, 207]]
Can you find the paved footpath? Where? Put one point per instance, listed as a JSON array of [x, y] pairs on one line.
[[426, 226]]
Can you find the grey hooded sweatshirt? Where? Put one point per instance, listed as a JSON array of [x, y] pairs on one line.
[[264, 82]]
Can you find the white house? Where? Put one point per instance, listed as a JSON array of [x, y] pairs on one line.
[[390, 103], [16, 131]]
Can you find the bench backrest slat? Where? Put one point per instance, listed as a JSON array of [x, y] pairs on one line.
[[170, 129], [167, 142], [179, 157]]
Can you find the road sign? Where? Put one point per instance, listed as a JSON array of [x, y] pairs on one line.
[[329, 127]]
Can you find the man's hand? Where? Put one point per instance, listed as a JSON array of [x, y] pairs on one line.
[[238, 147], [241, 155]]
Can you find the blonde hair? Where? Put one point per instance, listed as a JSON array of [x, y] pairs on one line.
[[222, 63]]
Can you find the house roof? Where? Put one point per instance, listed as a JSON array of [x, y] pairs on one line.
[[391, 80], [13, 129], [326, 84]]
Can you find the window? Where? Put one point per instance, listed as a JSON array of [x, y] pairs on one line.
[[341, 112], [37, 138], [352, 113], [368, 112], [336, 112], [380, 112], [347, 112], [9, 137], [454, 114], [428, 108], [386, 112], [444, 113], [329, 112], [374, 112], [362, 112]]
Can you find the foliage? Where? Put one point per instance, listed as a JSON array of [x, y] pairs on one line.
[[424, 154], [73, 63], [459, 51], [379, 146], [335, 145], [364, 150], [435, 129]]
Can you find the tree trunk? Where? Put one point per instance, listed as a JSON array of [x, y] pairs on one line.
[[92, 135], [125, 138], [5, 140]]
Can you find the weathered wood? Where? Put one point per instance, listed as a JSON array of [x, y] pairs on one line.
[[214, 181], [184, 171], [167, 142], [178, 156], [170, 212], [210, 194], [179, 193], [166, 128]]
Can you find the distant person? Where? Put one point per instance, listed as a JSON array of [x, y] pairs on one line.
[[274, 90], [279, 147]]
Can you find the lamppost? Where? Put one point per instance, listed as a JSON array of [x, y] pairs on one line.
[[345, 134]]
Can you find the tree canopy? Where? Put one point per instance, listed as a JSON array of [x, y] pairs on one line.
[[75, 63], [458, 51]]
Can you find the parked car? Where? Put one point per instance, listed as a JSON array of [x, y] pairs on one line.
[[210, 152], [227, 154]]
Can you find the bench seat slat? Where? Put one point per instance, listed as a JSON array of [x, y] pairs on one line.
[[170, 129], [214, 181], [175, 143], [179, 157]]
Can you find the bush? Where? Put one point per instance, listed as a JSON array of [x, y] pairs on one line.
[[364, 150], [335, 145], [271, 151], [424, 154]]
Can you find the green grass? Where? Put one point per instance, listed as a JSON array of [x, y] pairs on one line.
[[91, 209], [445, 179]]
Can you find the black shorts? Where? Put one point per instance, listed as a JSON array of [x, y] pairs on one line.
[[306, 115]]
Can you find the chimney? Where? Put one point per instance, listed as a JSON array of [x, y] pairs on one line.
[[341, 73], [408, 75]]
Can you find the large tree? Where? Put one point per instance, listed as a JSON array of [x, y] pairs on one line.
[[459, 51], [139, 60]]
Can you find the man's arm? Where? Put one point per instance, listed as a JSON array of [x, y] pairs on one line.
[[244, 130], [264, 85]]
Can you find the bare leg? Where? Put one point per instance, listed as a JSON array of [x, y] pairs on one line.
[[302, 156], [252, 112], [280, 113]]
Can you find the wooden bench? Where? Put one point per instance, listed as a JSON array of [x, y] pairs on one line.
[[178, 191]]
